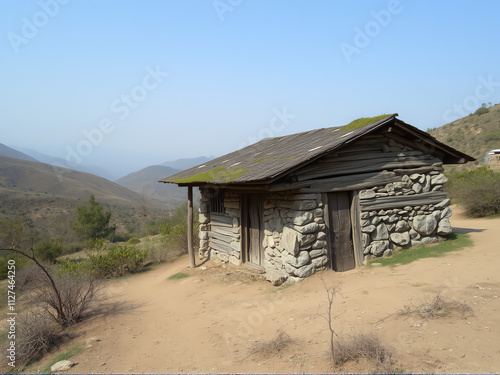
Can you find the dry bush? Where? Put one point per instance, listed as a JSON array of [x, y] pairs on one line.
[[159, 253], [78, 290], [273, 347], [439, 307], [36, 333], [359, 346]]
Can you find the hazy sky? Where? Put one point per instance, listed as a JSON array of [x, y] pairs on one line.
[[126, 84]]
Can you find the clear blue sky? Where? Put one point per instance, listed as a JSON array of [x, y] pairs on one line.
[[228, 72]]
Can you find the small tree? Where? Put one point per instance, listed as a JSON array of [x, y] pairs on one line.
[[92, 222], [64, 304]]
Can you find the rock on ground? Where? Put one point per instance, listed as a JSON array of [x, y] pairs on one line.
[[61, 366]]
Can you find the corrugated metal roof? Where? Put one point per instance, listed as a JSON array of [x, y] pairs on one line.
[[272, 157]]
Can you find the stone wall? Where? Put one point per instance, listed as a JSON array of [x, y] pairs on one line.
[[494, 162], [204, 219], [412, 225], [295, 237]]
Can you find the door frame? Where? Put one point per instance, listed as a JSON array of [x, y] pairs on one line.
[[245, 238], [355, 228]]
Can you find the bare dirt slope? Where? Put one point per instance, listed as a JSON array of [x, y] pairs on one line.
[[210, 322]]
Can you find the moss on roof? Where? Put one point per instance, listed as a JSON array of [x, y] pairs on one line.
[[226, 174], [362, 121], [233, 173], [262, 160]]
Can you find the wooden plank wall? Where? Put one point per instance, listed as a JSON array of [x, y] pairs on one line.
[[367, 163], [222, 234]]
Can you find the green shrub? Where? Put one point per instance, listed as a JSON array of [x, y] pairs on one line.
[[72, 248], [4, 259], [133, 241], [481, 111], [118, 261], [49, 251], [477, 190], [154, 226], [493, 135], [119, 237], [175, 237], [74, 267]]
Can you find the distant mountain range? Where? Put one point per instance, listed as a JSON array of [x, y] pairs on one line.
[[48, 196], [33, 155], [181, 164], [28, 176], [145, 181], [79, 183], [11, 153]]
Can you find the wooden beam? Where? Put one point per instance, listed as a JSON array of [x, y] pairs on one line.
[[192, 262], [326, 216], [356, 229], [363, 167], [432, 142], [419, 170], [396, 201]]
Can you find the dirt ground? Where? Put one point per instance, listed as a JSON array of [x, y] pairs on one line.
[[211, 321]]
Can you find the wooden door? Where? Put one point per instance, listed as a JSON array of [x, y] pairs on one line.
[[255, 228], [342, 250]]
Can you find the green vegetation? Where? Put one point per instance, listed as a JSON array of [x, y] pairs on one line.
[[71, 352], [207, 176], [474, 135], [477, 190], [455, 242], [179, 275], [293, 157], [481, 111], [363, 121], [133, 241], [262, 160], [493, 135], [226, 174], [49, 251], [118, 261], [233, 173], [92, 222]]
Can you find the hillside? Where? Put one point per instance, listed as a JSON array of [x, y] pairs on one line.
[[54, 160], [11, 153], [474, 134], [49, 197], [145, 183]]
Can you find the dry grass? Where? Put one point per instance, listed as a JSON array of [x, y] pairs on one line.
[[273, 347], [361, 345], [439, 307]]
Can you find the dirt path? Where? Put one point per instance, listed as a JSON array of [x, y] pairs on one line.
[[210, 322]]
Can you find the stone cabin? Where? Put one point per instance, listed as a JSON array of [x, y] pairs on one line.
[[494, 160], [333, 197]]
